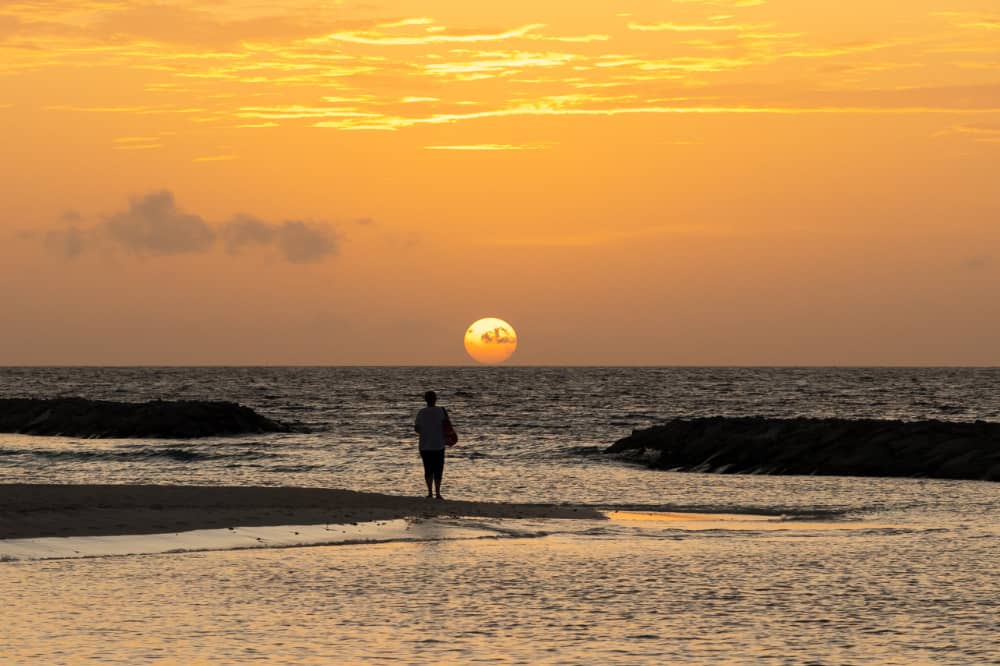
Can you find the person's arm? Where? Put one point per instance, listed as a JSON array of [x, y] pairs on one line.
[[416, 424]]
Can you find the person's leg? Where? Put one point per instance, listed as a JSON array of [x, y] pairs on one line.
[[428, 461], [438, 473]]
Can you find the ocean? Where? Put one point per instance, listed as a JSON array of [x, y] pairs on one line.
[[842, 570]]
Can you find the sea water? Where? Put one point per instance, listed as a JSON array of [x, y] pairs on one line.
[[858, 571]]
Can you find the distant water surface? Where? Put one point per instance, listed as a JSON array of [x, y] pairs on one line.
[[523, 429]]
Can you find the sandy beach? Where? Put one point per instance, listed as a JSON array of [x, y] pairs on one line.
[[31, 511]]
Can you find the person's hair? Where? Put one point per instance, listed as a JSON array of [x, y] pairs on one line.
[[431, 397]]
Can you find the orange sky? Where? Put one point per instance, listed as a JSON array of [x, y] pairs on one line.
[[651, 182]]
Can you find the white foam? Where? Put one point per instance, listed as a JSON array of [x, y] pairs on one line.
[[618, 524]]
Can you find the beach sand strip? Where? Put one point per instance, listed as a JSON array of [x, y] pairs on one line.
[[42, 510]]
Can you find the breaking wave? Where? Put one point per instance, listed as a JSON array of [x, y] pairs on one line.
[[172, 453]]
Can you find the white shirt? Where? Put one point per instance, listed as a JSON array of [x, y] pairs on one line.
[[429, 425]]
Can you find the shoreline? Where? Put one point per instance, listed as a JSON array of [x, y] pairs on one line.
[[57, 510]]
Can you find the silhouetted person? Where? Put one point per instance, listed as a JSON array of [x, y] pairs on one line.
[[430, 424]]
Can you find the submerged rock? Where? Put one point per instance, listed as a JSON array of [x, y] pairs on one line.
[[79, 417], [843, 447]]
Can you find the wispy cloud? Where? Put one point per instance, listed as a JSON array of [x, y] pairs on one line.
[[380, 37], [505, 63], [137, 143], [722, 3], [577, 39], [297, 111], [546, 109], [215, 158], [977, 133], [256, 65], [138, 146], [682, 27], [973, 20], [972, 129], [132, 110], [489, 147]]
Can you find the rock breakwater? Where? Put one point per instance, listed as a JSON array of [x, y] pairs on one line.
[[747, 445], [79, 417]]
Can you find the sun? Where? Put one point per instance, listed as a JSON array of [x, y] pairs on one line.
[[490, 340]]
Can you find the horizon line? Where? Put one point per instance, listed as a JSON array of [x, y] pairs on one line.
[[501, 365]]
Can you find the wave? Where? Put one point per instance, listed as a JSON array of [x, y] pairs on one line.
[[413, 530], [772, 511], [671, 527], [146, 453]]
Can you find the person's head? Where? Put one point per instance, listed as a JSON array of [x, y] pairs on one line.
[[431, 397]]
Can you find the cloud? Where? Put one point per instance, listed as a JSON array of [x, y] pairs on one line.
[[303, 242], [679, 27], [153, 225], [500, 63], [971, 20], [214, 25], [978, 133], [68, 243], [377, 36], [864, 102], [300, 242], [723, 3], [978, 262], [137, 143], [214, 158], [498, 336], [490, 147], [243, 231], [375, 71]]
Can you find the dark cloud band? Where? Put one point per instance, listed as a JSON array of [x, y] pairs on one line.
[[154, 225]]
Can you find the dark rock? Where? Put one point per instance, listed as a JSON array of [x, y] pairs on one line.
[[755, 445], [79, 417]]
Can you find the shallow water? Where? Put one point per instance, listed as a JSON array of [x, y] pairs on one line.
[[908, 575], [621, 592]]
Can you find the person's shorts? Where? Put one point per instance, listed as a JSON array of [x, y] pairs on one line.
[[433, 463]]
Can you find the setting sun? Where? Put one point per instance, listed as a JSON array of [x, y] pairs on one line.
[[490, 340]]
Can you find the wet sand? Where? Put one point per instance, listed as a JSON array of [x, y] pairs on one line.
[[32, 511]]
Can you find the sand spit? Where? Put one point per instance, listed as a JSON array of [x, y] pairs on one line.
[[29, 511], [842, 447], [182, 419]]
